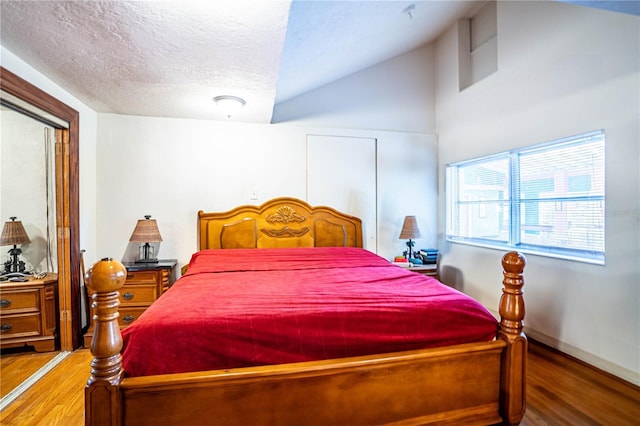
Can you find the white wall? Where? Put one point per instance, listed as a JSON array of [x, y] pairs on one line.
[[87, 133], [171, 168], [396, 95], [562, 70], [341, 173]]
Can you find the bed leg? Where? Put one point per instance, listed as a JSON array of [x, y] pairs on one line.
[[514, 357], [102, 395]]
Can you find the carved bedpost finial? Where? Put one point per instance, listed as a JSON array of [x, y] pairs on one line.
[[104, 279], [514, 262], [513, 380], [512, 301]]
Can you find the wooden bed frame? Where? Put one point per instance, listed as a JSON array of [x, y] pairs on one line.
[[475, 383]]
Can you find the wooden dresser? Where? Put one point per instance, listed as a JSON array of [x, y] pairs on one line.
[[29, 313], [145, 283]]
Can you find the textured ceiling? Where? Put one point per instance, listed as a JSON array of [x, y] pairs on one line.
[[160, 58], [170, 58]]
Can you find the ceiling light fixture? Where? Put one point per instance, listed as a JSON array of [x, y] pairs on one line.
[[229, 104]]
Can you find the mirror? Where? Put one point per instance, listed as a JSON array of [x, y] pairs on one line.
[[19, 95], [27, 184]]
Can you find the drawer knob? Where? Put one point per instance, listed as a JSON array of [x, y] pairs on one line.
[[127, 296], [6, 327], [5, 303], [128, 319]]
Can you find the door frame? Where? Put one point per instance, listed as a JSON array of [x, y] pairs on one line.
[[67, 203]]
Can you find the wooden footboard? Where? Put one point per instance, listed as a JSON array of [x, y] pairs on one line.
[[477, 383]]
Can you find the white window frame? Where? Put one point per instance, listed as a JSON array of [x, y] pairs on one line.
[[509, 237]]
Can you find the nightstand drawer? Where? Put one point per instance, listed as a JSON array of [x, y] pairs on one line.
[[144, 284], [27, 300], [129, 315], [138, 294], [20, 326], [141, 277]]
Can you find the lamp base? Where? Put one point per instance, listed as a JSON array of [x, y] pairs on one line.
[[14, 264], [410, 244]]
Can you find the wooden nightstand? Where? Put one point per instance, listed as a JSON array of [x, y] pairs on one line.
[[29, 314], [430, 270], [145, 283]]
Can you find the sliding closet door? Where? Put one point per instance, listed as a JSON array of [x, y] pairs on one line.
[[341, 173]]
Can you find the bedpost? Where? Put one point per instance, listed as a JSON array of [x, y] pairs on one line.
[[102, 398], [514, 357]]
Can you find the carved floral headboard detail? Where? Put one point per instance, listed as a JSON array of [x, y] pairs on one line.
[[285, 214], [281, 222], [285, 232]]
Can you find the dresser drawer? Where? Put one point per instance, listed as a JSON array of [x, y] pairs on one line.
[[16, 301], [141, 277], [20, 326], [137, 295], [128, 315], [29, 314]]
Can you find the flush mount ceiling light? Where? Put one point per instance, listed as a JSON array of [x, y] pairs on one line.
[[229, 104]]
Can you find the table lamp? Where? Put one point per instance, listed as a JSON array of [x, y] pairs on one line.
[[410, 231], [13, 233], [146, 231]]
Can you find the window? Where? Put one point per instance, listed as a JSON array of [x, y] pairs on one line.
[[547, 199]]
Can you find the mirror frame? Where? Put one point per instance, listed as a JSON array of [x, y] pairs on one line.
[[68, 204]]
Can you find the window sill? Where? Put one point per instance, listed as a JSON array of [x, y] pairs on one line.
[[592, 260]]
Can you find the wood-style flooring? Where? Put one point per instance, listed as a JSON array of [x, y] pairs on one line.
[[560, 391], [56, 399], [563, 391], [17, 367]]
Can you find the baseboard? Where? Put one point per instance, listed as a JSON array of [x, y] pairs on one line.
[[622, 373]]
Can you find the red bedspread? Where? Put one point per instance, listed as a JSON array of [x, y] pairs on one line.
[[238, 308]]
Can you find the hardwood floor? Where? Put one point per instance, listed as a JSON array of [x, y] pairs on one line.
[[56, 399], [563, 391], [560, 391], [15, 368]]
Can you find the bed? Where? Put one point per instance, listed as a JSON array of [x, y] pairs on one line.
[[372, 363]]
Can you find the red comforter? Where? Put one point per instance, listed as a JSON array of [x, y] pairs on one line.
[[238, 308]]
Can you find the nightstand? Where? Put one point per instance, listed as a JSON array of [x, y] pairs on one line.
[[430, 270], [145, 283], [29, 313]]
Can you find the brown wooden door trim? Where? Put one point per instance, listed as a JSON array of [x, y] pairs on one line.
[[67, 203]]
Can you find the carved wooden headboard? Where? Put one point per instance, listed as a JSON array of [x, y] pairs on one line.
[[281, 222]]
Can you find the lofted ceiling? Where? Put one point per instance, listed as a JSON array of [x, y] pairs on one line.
[[170, 58]]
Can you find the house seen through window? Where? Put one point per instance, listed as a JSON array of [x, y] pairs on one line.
[[546, 199]]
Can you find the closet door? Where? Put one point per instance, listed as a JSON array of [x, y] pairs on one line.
[[341, 173]]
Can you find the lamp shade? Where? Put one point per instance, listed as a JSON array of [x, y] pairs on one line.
[[13, 233], [146, 231], [410, 228]]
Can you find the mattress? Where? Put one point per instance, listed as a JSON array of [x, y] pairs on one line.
[[248, 307]]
